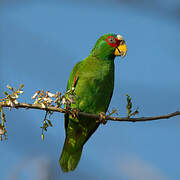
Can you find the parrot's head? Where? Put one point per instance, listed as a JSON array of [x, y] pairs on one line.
[[109, 46]]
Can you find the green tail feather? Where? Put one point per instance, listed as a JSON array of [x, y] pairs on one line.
[[70, 157]]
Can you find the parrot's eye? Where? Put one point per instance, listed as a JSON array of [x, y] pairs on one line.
[[112, 41]]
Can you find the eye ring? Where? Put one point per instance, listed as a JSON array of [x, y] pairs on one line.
[[111, 40]]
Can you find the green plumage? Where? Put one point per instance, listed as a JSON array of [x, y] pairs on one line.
[[94, 90]]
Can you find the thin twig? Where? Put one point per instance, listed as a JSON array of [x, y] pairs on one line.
[[94, 116]]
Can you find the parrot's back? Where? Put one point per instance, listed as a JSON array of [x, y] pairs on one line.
[[94, 80]]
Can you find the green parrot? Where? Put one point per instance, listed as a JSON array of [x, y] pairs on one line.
[[92, 80]]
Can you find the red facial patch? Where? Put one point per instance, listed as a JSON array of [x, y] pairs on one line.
[[113, 42]]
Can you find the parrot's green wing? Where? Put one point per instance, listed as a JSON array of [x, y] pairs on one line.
[[71, 81]]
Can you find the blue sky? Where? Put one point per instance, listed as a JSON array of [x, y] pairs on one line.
[[40, 44]]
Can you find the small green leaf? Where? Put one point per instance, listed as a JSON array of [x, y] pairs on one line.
[[50, 123], [42, 136], [6, 93], [45, 125], [129, 106], [21, 86]]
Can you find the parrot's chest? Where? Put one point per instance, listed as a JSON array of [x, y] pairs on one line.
[[95, 89], [98, 80]]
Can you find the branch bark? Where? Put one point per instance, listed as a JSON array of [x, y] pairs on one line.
[[94, 116]]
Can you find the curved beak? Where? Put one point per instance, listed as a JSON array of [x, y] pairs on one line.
[[121, 50]]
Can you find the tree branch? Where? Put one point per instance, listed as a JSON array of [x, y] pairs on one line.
[[94, 116]]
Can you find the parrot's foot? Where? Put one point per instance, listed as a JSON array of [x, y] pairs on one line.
[[75, 112], [102, 118]]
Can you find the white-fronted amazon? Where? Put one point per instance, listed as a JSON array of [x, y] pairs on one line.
[[93, 80]]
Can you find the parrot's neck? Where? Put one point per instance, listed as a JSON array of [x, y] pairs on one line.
[[105, 55]]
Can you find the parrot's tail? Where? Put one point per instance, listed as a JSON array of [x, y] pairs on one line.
[[70, 156]]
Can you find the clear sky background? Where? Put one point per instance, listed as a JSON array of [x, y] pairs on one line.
[[41, 41]]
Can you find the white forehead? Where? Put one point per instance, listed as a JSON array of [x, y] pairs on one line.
[[119, 37]]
